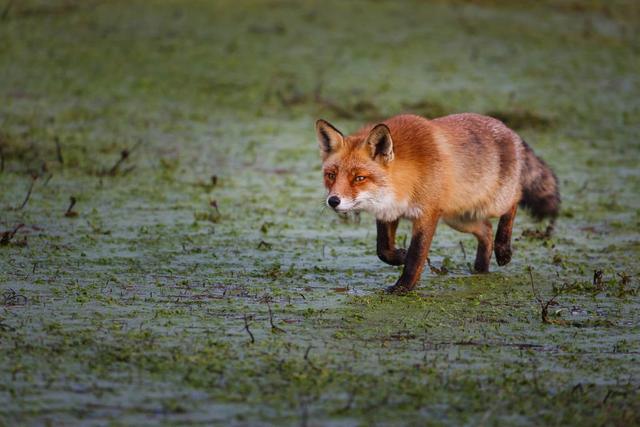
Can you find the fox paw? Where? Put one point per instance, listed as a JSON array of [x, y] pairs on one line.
[[397, 290], [503, 255], [393, 257], [481, 267]]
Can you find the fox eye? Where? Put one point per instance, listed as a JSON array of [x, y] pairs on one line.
[[360, 178], [330, 175]]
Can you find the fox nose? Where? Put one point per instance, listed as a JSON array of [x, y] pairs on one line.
[[333, 201]]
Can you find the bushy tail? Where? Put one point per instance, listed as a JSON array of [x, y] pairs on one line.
[[540, 194]]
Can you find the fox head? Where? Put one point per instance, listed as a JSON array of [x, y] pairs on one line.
[[356, 168]]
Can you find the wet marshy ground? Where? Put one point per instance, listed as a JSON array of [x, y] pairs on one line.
[[165, 254]]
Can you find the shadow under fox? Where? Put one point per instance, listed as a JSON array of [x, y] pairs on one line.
[[462, 168]]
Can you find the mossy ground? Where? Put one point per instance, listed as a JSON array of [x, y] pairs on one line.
[[135, 307]]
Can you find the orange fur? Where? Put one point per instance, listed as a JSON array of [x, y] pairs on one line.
[[463, 168]]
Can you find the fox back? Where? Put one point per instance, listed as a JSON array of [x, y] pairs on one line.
[[464, 164]]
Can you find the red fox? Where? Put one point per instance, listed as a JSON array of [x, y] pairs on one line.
[[463, 168]]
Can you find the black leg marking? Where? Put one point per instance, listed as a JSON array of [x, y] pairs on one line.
[[386, 246], [503, 237]]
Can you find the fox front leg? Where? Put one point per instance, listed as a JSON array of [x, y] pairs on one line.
[[386, 245], [422, 234]]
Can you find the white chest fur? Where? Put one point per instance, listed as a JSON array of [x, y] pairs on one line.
[[385, 206]]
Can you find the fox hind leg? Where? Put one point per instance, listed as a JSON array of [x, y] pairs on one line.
[[503, 236], [483, 232]]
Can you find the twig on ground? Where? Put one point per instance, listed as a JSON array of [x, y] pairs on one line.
[[439, 271], [309, 362], [306, 353], [246, 328], [274, 328], [70, 213], [214, 205], [34, 177], [549, 230], [124, 155], [538, 234], [625, 278], [264, 245], [11, 297], [598, 284], [544, 306], [350, 400], [58, 150], [464, 252], [613, 393], [8, 235]]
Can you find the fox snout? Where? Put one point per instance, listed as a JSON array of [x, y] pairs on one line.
[[333, 201], [340, 204]]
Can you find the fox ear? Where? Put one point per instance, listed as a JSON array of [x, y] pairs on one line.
[[330, 139], [380, 144]]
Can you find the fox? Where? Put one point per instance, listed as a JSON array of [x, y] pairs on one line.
[[464, 169]]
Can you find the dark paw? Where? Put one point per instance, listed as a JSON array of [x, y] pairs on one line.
[[482, 264], [503, 255], [393, 257], [397, 290], [481, 268]]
